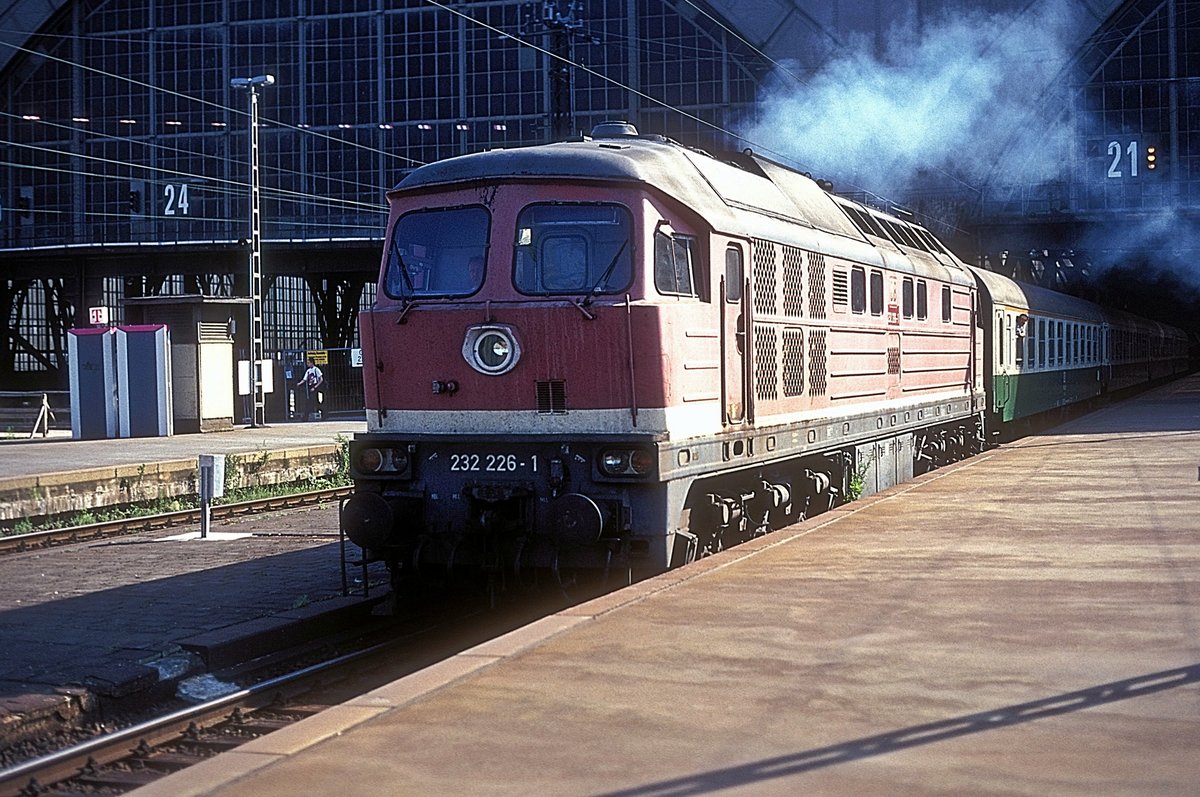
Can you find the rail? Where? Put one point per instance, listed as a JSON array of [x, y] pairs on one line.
[[18, 543], [139, 744]]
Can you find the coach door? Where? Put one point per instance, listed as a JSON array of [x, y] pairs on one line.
[[734, 338]]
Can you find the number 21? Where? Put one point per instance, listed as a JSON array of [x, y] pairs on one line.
[[1114, 149]]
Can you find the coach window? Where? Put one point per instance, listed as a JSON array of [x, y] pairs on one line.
[[1058, 345], [733, 274], [1000, 338], [946, 306], [858, 290], [1031, 352], [1022, 327], [1041, 341], [876, 293], [906, 297], [922, 300]]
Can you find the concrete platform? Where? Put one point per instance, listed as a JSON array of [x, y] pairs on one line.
[[59, 475], [1024, 623]]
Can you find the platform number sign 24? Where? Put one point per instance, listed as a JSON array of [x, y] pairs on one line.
[[177, 199]]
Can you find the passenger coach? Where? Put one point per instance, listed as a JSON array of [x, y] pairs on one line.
[[1046, 350]]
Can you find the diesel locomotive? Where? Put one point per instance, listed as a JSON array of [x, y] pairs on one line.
[[620, 354]]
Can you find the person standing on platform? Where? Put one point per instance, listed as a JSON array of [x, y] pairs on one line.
[[311, 384]]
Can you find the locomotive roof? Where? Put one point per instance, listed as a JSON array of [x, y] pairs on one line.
[[709, 185], [720, 190]]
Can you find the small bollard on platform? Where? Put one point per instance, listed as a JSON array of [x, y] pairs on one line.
[[212, 485]]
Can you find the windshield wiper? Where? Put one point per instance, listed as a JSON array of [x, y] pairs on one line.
[[407, 301], [604, 277]]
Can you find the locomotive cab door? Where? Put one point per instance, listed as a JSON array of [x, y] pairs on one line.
[[734, 339]]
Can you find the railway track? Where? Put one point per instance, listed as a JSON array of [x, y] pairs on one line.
[[134, 756], [18, 543]]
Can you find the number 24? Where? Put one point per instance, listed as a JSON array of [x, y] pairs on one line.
[[177, 199]]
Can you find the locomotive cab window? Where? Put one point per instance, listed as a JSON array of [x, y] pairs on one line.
[[677, 269], [440, 252], [573, 249]]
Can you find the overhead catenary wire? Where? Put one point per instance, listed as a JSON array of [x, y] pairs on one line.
[[276, 192], [304, 130]]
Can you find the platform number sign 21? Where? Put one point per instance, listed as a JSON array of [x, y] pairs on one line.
[[1119, 154], [177, 199]]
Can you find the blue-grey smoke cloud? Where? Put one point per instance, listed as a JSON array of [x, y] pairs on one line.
[[968, 95]]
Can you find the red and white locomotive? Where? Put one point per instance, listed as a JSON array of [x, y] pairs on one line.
[[621, 353]]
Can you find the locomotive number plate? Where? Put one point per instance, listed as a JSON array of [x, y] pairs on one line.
[[491, 463]]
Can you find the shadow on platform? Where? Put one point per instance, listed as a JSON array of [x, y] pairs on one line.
[[928, 733]]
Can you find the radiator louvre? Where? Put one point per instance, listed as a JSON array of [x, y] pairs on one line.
[[552, 397]]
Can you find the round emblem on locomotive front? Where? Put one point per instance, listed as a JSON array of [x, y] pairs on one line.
[[491, 349]]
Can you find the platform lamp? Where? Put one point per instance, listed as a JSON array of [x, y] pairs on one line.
[[252, 85]]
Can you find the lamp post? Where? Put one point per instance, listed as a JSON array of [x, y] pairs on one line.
[[252, 85]]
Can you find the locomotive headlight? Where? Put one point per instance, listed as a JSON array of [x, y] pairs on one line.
[[391, 461], [614, 462], [641, 461], [491, 349], [370, 460], [626, 462]]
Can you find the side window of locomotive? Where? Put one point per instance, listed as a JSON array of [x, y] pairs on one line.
[[922, 300], [676, 267], [906, 297], [438, 252], [858, 290], [733, 274], [573, 248], [876, 293], [947, 308]]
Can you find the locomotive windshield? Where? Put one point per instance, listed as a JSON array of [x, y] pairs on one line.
[[437, 253], [563, 248]]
